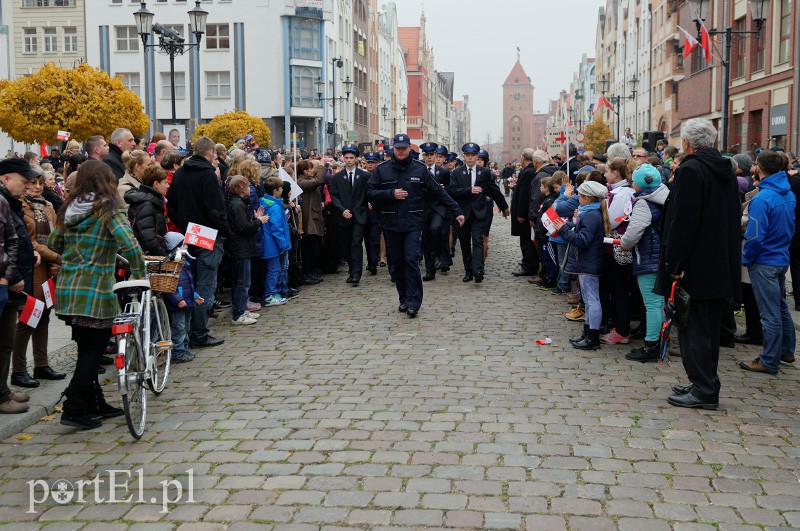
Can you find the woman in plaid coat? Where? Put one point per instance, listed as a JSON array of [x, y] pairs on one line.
[[90, 231]]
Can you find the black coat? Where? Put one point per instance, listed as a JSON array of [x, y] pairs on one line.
[[702, 235], [244, 228], [536, 192], [223, 169], [146, 214], [347, 197], [114, 161], [521, 200], [794, 183], [195, 196], [460, 189], [432, 203], [24, 257]]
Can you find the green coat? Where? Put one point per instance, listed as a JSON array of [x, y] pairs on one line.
[[88, 247]]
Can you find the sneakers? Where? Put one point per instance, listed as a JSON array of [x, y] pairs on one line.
[[615, 338], [275, 300], [577, 314], [252, 315], [220, 304], [253, 306], [243, 320]]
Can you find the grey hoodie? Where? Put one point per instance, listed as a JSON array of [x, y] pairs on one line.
[[640, 217]]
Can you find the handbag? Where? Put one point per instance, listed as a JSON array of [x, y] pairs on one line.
[[622, 256], [682, 302]]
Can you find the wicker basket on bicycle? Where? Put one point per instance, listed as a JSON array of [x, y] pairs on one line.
[[163, 275]]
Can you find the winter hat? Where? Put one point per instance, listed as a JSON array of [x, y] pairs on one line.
[[172, 240], [646, 176], [592, 189], [744, 161]]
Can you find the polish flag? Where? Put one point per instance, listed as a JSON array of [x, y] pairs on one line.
[[603, 102], [689, 42], [49, 289], [31, 312], [705, 42], [42, 150]]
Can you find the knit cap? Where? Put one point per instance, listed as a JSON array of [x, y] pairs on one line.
[[646, 176]]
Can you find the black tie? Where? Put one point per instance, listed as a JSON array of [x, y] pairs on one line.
[[352, 183], [471, 182]]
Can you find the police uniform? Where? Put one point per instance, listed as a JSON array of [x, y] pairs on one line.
[[476, 208], [348, 190], [437, 220], [403, 219], [373, 239]]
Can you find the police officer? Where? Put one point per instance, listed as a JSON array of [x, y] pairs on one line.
[[471, 185], [373, 239], [396, 188], [387, 153], [450, 161], [436, 217], [441, 155], [348, 189]]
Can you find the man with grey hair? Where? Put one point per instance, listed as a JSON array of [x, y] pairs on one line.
[[222, 158], [618, 150], [162, 148], [701, 250], [121, 140], [520, 204]]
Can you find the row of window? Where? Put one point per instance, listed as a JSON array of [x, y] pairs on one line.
[[218, 84], [217, 37], [49, 3], [50, 40]]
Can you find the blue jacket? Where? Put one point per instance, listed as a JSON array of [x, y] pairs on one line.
[[585, 253], [771, 225], [275, 232], [185, 291], [565, 207]]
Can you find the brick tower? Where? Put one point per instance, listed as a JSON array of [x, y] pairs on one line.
[[517, 113]]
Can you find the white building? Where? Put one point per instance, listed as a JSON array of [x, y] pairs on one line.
[[393, 90], [632, 69]]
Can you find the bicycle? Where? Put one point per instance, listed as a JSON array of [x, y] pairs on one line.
[[144, 339]]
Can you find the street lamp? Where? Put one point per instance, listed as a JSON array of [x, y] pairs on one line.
[[758, 10], [617, 99], [170, 41], [385, 111], [319, 87]]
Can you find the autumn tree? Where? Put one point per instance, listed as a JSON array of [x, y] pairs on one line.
[[83, 100], [229, 127], [597, 133]]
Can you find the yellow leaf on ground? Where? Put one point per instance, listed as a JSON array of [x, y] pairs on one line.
[[59, 409], [24, 437], [48, 417]]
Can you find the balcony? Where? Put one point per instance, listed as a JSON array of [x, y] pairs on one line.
[[49, 3]]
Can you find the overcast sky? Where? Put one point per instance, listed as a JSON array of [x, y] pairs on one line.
[[478, 41]]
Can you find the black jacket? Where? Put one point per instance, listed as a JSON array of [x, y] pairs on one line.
[[432, 203], [460, 189], [223, 169], [347, 197], [114, 160], [794, 183], [24, 259], [244, 228], [146, 214], [404, 215], [536, 192], [521, 201], [195, 196], [701, 233]]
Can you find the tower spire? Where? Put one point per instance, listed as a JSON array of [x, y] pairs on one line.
[[517, 53]]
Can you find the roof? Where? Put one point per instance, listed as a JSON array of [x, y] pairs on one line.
[[409, 43], [517, 76]]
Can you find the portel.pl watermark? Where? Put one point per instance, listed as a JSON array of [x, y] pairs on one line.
[[112, 486]]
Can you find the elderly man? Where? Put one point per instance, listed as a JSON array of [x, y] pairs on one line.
[[618, 150], [520, 205], [222, 159], [96, 147], [121, 140], [162, 148], [640, 155], [701, 249]]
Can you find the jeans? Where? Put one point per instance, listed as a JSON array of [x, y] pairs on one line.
[[769, 285], [180, 321], [563, 278], [590, 291], [283, 278], [272, 276], [241, 287], [205, 267], [654, 305]]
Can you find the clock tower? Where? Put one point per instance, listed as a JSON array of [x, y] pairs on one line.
[[517, 114]]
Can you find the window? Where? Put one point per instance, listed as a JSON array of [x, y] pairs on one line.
[[30, 40], [48, 3], [786, 31], [218, 37], [738, 52], [180, 86], [50, 42], [218, 84], [305, 39], [127, 39], [71, 39], [303, 79], [132, 81], [757, 53]]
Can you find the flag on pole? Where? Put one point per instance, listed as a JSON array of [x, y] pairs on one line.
[[602, 102], [705, 42], [49, 288], [689, 42], [42, 150], [31, 312]]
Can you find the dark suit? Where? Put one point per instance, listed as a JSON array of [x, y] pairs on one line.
[[352, 197], [520, 204], [434, 242], [477, 210]]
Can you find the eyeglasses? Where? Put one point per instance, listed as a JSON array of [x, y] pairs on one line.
[[640, 156]]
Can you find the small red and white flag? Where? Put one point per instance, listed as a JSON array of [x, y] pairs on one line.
[[603, 102], [32, 312], [63, 135], [49, 288], [689, 42], [705, 42]]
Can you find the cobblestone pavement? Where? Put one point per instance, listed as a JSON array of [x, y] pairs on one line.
[[337, 411]]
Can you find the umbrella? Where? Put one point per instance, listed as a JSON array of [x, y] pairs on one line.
[[669, 313]]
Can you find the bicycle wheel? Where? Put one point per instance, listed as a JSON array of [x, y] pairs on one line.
[[160, 346], [134, 397]]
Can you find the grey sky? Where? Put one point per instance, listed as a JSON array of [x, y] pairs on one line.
[[477, 40]]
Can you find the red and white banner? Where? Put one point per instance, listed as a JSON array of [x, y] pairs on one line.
[[200, 236], [63, 135], [31, 312], [602, 101], [548, 218], [705, 42], [689, 42], [49, 288]]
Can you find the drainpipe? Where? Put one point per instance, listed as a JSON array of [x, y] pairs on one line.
[[796, 95]]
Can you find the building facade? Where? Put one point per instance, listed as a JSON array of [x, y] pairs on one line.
[[666, 70], [517, 113], [360, 44]]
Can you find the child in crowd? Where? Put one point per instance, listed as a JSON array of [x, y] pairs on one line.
[[277, 242], [290, 284], [643, 237], [180, 304], [565, 207], [241, 246], [549, 187], [585, 256], [146, 210]]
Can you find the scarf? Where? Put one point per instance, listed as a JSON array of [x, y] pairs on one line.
[[587, 208]]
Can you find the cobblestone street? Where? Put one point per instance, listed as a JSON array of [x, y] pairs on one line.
[[337, 411]]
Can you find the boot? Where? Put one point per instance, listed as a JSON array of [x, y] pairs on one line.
[[98, 407], [76, 405], [647, 353], [590, 342], [581, 337]]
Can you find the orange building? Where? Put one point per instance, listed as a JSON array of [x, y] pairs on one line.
[[518, 123]]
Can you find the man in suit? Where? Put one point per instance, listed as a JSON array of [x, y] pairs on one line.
[[436, 216], [348, 191], [471, 185], [373, 236]]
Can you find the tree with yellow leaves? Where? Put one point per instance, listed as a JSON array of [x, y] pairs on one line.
[[597, 133], [83, 100], [229, 127]]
